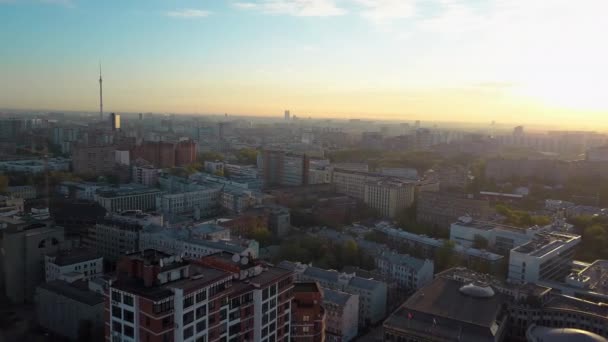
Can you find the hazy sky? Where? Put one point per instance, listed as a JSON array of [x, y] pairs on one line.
[[456, 60]]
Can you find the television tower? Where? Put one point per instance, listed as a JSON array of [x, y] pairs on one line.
[[100, 94]]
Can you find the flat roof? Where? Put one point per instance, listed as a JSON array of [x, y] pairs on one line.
[[76, 291], [74, 256], [545, 243]]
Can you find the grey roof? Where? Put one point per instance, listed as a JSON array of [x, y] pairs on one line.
[[74, 256], [335, 297], [288, 265], [72, 291], [319, 273], [366, 284]]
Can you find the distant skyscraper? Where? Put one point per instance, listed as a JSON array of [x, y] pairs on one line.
[[417, 124], [518, 131], [287, 115], [100, 94], [115, 121]]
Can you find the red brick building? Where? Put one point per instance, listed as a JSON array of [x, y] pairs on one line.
[[158, 297], [307, 314], [166, 154]]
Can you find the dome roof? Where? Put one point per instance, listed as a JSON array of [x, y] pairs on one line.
[[542, 334], [477, 290]]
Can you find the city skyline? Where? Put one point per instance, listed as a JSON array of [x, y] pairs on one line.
[[401, 60]]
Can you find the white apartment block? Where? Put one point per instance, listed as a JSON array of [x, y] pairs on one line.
[[146, 175], [205, 200], [84, 262], [409, 272]]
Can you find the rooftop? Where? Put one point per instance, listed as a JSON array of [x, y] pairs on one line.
[[306, 287], [126, 190], [74, 256], [545, 243], [76, 291], [335, 297], [442, 308]]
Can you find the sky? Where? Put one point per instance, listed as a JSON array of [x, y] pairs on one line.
[[520, 61]]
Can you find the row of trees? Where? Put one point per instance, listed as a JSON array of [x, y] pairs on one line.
[[324, 253]]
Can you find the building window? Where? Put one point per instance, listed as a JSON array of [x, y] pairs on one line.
[[201, 296], [201, 311], [188, 317], [128, 316], [116, 312], [117, 327], [188, 332], [188, 301], [201, 326], [116, 296], [129, 331], [128, 300]]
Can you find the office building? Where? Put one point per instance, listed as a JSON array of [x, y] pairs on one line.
[[547, 257], [307, 313], [145, 175], [128, 197], [342, 315], [115, 236], [217, 298], [37, 165], [91, 159], [280, 168], [352, 183], [441, 209], [79, 262], [115, 121], [372, 293], [200, 202], [24, 247], [499, 237], [287, 115], [390, 197], [70, 310]]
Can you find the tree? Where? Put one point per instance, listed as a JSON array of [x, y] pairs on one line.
[[247, 156], [210, 156], [445, 256]]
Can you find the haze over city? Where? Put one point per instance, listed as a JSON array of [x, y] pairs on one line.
[[540, 62]]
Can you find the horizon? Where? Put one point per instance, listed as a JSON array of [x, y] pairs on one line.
[[440, 61]]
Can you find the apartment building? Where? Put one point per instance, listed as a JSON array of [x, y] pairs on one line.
[[281, 168], [84, 263], [389, 197], [307, 313], [442, 209], [342, 315], [159, 297]]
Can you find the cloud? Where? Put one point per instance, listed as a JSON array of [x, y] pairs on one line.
[[383, 11], [298, 8], [188, 13]]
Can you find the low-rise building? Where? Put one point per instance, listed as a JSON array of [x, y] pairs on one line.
[[547, 257], [215, 167], [372, 293], [145, 174], [25, 192], [84, 262], [70, 310], [307, 313], [35, 165], [342, 315], [128, 197]]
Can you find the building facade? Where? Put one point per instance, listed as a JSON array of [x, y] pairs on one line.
[[342, 315], [442, 209], [128, 197], [95, 160], [81, 261], [158, 297], [389, 197], [280, 168], [307, 313]]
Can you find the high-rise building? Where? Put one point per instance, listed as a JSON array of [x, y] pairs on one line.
[[280, 168], [115, 121], [158, 297], [287, 115], [95, 160]]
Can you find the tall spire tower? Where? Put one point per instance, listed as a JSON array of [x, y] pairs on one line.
[[100, 94]]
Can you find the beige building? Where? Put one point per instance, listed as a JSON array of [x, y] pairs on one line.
[[93, 160], [352, 183], [389, 196]]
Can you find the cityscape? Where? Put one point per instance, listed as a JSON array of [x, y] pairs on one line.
[[224, 190]]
